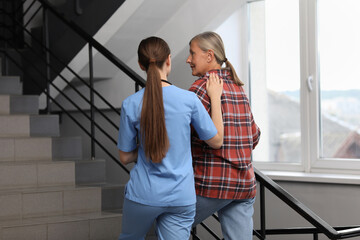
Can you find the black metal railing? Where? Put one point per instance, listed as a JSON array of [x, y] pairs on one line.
[[319, 225], [41, 9], [37, 7]]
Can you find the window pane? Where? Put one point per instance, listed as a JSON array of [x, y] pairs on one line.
[[339, 67], [275, 78]]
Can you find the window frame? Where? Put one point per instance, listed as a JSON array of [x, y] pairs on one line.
[[309, 101]]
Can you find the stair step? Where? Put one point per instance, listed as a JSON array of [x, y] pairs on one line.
[[23, 174], [90, 171], [10, 85], [14, 126], [19, 104], [67, 148], [25, 125], [112, 196], [94, 226], [44, 125], [54, 201], [39, 148], [38, 173], [25, 148]]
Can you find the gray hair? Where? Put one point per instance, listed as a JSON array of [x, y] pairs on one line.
[[212, 41]]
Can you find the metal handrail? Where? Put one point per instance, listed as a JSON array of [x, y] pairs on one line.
[[34, 38], [139, 81], [322, 226], [100, 48], [70, 84], [69, 115]]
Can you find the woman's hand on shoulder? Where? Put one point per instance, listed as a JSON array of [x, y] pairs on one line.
[[214, 86]]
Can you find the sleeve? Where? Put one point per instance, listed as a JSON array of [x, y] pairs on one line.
[[201, 121], [199, 88], [127, 132]]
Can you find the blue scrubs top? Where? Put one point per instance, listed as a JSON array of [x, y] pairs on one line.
[[171, 182]]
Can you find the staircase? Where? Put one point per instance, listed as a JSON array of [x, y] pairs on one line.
[[39, 197]]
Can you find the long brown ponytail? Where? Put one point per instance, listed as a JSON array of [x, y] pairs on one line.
[[152, 54], [212, 40]]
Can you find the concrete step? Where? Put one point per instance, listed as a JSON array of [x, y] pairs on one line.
[[94, 226], [44, 126], [10, 85], [29, 125], [25, 148], [19, 104], [112, 196], [90, 171], [48, 201], [39, 148], [33, 174], [67, 148]]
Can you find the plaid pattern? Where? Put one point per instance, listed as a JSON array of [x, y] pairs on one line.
[[226, 173]]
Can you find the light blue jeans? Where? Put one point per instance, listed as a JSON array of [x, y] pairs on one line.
[[172, 223], [235, 216]]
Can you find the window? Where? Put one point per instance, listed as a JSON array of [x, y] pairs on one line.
[[339, 75], [304, 77]]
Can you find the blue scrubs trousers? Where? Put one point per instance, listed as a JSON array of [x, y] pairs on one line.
[[172, 223]]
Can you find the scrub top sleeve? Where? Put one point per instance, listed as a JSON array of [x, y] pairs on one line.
[[201, 121], [127, 132]]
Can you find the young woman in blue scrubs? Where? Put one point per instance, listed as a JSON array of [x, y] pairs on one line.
[[161, 185]]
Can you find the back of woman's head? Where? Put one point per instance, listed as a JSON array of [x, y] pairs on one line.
[[212, 41], [152, 54]]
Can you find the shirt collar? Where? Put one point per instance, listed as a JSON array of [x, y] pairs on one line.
[[223, 72]]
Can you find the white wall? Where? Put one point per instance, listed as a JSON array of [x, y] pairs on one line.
[[177, 23]]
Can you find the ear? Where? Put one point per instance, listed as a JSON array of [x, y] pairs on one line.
[[141, 66], [168, 60], [210, 56]]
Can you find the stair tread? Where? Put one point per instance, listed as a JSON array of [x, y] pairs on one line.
[[9, 76], [30, 162], [59, 219], [51, 160], [103, 185], [41, 189], [27, 137]]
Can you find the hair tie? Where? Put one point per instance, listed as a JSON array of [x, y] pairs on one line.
[[152, 60], [225, 60]]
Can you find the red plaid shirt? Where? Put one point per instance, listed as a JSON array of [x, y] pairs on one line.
[[226, 173]]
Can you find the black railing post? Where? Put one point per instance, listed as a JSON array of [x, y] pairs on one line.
[[137, 87], [6, 64], [262, 211], [92, 113], [316, 236], [47, 57]]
